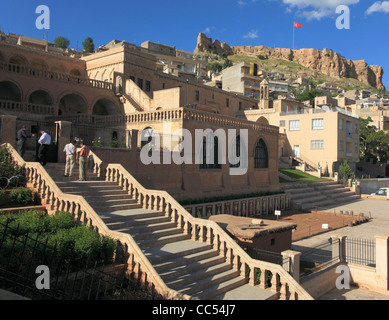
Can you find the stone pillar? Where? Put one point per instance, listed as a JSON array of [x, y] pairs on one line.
[[338, 248], [132, 139], [291, 263], [64, 130], [382, 261], [8, 129]]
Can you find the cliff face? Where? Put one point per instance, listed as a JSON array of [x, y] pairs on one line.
[[325, 61]]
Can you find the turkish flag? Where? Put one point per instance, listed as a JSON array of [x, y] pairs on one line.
[[298, 25]]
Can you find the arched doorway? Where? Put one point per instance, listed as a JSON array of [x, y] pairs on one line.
[[71, 104], [9, 91], [40, 97], [104, 107]]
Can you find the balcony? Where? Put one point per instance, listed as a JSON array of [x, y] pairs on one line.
[[56, 76]]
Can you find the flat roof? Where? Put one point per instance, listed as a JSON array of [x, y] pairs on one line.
[[249, 228]]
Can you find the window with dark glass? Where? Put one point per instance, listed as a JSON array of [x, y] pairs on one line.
[[261, 159], [209, 149]]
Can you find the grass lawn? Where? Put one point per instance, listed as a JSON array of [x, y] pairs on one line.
[[299, 175]]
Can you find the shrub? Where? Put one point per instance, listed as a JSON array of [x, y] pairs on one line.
[[61, 220], [11, 174], [21, 195]]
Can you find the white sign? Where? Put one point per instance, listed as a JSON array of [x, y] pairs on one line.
[[277, 212], [324, 226]]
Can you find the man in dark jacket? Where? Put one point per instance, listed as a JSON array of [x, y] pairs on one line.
[[21, 138]]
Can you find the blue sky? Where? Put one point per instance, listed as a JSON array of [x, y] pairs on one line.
[[236, 22]]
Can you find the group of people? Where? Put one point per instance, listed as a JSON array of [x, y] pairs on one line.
[[70, 150]]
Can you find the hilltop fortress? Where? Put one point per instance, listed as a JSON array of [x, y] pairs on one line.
[[325, 61]]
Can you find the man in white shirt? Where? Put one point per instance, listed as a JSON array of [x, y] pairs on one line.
[[70, 151], [44, 142]]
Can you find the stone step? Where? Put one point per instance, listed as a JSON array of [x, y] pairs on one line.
[[195, 273], [116, 207], [135, 225], [214, 291], [111, 202], [177, 263], [122, 216], [162, 224], [211, 285], [303, 195], [162, 240], [158, 233], [172, 252], [315, 198]]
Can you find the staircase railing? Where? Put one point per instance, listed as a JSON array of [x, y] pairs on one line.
[[259, 272], [55, 200]]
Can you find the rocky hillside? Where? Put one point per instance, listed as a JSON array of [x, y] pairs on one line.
[[324, 61]]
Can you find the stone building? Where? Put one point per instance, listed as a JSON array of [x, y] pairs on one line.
[[119, 92]]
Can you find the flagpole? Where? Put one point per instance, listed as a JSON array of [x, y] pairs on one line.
[[293, 35]]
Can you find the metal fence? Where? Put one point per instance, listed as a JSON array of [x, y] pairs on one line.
[[265, 255], [70, 278], [360, 251], [319, 257]]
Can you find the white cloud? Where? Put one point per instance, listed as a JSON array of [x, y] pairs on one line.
[[241, 3], [317, 9], [379, 6], [252, 34]]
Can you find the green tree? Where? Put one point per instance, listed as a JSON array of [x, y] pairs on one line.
[[345, 171], [373, 143], [215, 66], [88, 45], [61, 42]]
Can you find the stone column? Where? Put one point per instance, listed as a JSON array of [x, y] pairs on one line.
[[382, 261], [291, 263], [132, 141], [64, 130], [8, 129], [338, 247]]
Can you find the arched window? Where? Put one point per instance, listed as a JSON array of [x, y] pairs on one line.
[[235, 153], [210, 147], [261, 159]]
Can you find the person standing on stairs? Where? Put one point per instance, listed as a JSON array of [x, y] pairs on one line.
[[22, 140], [44, 143], [70, 151], [83, 161]]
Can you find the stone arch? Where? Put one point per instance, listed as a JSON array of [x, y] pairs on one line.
[[104, 106], [10, 91], [263, 120], [146, 135], [18, 60], [72, 103], [39, 64], [261, 155], [59, 68], [75, 72], [40, 97]]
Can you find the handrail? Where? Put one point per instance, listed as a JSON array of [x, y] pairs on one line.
[[51, 75], [53, 197], [20, 106], [209, 231]]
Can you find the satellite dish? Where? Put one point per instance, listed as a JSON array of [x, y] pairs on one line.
[[325, 108]]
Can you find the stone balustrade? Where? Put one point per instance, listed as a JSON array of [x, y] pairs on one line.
[[25, 107], [260, 273], [55, 200], [56, 76], [264, 274]]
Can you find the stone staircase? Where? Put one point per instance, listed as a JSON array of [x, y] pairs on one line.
[[190, 267], [318, 194]]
